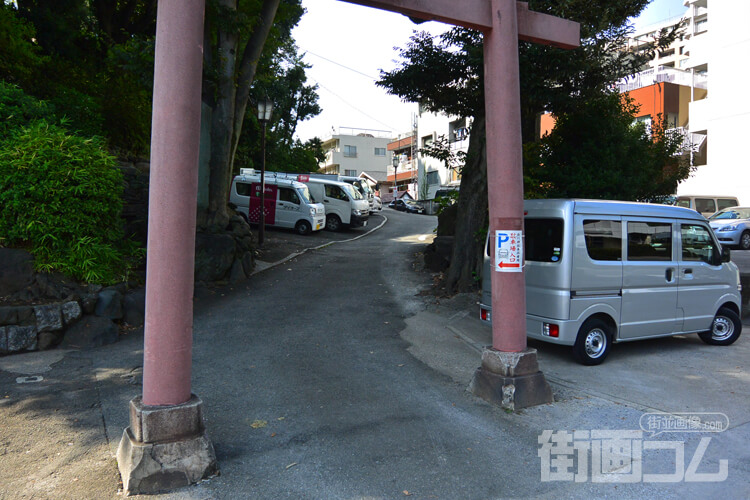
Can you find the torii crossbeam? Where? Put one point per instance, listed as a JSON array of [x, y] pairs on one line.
[[509, 374]]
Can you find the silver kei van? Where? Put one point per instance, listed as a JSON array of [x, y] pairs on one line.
[[602, 272]]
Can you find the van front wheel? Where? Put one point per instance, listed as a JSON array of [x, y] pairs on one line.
[[333, 223], [592, 342], [303, 227], [725, 329]]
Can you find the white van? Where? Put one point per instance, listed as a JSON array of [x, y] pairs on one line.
[[363, 187], [602, 272], [344, 205], [706, 204], [288, 203]]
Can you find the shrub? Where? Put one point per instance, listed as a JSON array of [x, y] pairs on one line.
[[60, 195], [18, 109]]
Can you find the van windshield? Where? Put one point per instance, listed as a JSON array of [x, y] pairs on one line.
[[544, 239], [304, 193], [353, 193]]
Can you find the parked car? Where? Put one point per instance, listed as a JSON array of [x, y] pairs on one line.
[[410, 206], [377, 203], [732, 226], [602, 272]]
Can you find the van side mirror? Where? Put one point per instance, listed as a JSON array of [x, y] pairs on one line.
[[725, 254]]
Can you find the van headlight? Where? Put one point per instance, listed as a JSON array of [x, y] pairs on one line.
[[312, 211]]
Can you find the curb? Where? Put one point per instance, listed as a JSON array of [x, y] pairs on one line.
[[262, 266]]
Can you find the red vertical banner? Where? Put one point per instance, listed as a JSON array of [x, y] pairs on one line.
[[270, 204]]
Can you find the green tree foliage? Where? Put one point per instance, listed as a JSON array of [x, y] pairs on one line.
[[60, 195], [97, 67], [19, 55], [282, 79], [599, 152], [445, 75]]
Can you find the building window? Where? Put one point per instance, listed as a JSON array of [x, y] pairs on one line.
[[427, 140], [666, 53], [379, 151], [350, 151], [350, 173]]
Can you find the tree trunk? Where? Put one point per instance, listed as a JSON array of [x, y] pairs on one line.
[[472, 217], [248, 67], [232, 93]]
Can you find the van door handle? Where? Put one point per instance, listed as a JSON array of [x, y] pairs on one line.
[[669, 274], [688, 271]]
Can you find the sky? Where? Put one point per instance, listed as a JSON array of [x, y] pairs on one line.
[[348, 45]]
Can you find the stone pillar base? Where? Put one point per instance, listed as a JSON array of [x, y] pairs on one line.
[[511, 380], [164, 448]]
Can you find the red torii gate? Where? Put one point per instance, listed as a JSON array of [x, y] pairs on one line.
[[165, 446], [509, 374]]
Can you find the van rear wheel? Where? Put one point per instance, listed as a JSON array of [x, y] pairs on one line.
[[593, 341], [333, 223], [725, 329]]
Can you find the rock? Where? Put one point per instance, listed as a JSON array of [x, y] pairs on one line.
[[88, 303], [71, 311], [238, 274], [90, 332], [214, 256], [48, 318], [8, 315], [26, 315], [246, 243], [21, 338], [109, 304], [48, 340], [447, 221], [16, 270], [3, 340], [134, 307], [437, 255], [248, 263]]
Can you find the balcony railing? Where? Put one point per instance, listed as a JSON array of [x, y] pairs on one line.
[[670, 75]]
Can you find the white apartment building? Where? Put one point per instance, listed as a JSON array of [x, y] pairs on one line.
[[433, 173], [353, 151], [719, 50]]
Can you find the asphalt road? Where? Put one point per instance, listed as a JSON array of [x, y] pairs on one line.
[[330, 376]]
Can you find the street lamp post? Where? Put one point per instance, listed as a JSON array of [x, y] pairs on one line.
[[265, 107], [395, 176]]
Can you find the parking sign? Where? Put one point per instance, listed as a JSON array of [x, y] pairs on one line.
[[508, 251]]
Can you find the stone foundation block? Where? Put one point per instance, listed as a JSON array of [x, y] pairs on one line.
[[164, 448], [511, 380]]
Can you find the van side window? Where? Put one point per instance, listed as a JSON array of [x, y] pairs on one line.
[[286, 194], [335, 192], [697, 244], [649, 241], [705, 205], [243, 188], [544, 238], [723, 203], [603, 239]]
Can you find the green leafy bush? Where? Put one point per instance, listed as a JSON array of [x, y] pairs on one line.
[[18, 109], [61, 196]]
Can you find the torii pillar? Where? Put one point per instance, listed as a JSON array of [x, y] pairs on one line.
[[165, 446], [509, 374]]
